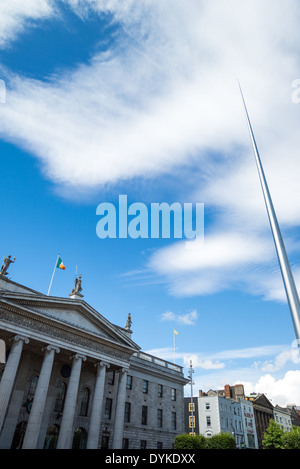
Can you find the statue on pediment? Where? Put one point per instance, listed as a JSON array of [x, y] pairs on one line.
[[6, 263], [128, 322], [77, 286], [75, 293]]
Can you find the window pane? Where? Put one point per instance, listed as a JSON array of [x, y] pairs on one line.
[[60, 397], [107, 410], [144, 415], [85, 401]]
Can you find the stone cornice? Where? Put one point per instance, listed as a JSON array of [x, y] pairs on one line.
[[43, 327], [43, 301]]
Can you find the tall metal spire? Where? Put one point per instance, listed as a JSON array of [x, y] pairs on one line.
[[288, 279]]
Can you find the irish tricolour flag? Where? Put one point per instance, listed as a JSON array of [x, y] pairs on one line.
[[60, 264]]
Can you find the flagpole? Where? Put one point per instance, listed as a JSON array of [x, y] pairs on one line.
[[53, 275], [287, 276]]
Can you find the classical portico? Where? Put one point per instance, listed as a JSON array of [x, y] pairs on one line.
[[44, 336], [72, 379]]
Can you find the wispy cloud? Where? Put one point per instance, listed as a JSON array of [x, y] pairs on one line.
[[16, 16], [157, 98], [278, 357], [187, 319], [165, 96]]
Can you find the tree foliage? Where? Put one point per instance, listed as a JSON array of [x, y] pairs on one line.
[[186, 441], [291, 440], [277, 438], [273, 436], [220, 441]]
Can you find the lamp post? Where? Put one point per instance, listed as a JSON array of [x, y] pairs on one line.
[[190, 376]]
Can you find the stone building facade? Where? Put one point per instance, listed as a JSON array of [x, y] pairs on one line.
[[72, 379], [263, 413]]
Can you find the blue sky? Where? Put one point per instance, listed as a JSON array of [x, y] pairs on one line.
[[105, 98]]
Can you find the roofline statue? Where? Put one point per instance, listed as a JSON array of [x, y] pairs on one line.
[[75, 293], [6, 263]]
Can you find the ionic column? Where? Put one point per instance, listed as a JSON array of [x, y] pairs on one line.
[[39, 400], [65, 436], [120, 408], [9, 375], [95, 421]]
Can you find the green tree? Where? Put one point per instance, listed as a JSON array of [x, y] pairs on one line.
[[273, 436], [186, 441], [291, 440], [221, 441]]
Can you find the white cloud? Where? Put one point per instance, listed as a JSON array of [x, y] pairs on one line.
[[279, 355], [213, 371], [167, 92], [280, 391], [164, 96], [187, 319], [17, 15]]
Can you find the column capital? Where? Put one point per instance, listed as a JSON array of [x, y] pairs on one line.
[[102, 363], [78, 356], [18, 337], [51, 347], [122, 370]]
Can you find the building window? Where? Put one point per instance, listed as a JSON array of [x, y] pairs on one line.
[[173, 421], [127, 412], [143, 444], [125, 443], [173, 394], [207, 406], [159, 418], [60, 397], [144, 415], [160, 390], [208, 421], [79, 438], [85, 401], [111, 377], [108, 407], [129, 382], [145, 386], [32, 388], [159, 445], [51, 437], [104, 441]]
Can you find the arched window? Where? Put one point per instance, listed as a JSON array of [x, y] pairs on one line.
[[60, 397], [19, 435], [79, 439], [51, 437], [32, 388], [84, 406]]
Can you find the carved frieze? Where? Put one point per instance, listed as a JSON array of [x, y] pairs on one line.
[[61, 332]]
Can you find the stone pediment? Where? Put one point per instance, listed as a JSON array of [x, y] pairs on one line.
[[262, 400], [76, 314]]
